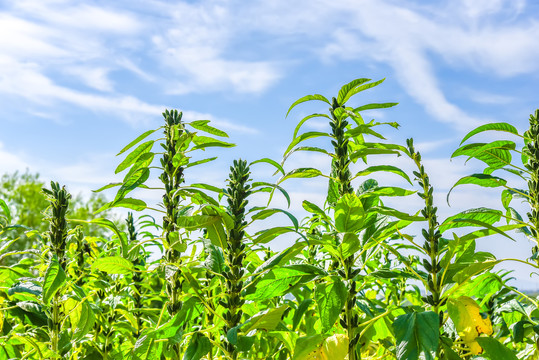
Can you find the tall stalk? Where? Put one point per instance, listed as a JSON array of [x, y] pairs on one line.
[[57, 235], [136, 277], [431, 235], [237, 192], [340, 171], [531, 149], [172, 178]]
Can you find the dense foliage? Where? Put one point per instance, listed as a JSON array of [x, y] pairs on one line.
[[358, 283]]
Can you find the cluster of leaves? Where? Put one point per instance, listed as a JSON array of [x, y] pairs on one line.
[[357, 283]]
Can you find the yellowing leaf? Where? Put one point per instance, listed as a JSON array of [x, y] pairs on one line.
[[468, 321], [332, 348]]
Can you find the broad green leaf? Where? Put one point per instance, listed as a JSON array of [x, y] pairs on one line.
[[202, 142], [492, 126], [54, 279], [271, 162], [350, 244], [130, 203], [136, 179], [479, 179], [363, 129], [203, 126], [473, 269], [330, 299], [468, 321], [375, 106], [307, 98], [391, 191], [199, 346], [134, 155], [349, 214], [279, 281], [85, 321], [215, 259], [356, 89], [266, 320], [494, 350], [137, 140], [301, 173], [113, 265], [193, 222], [489, 216], [303, 137], [495, 154], [385, 168], [314, 209], [417, 335], [345, 89]]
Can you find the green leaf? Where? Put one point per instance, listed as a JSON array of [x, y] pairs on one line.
[[279, 281], [308, 98], [54, 279], [303, 137], [492, 126], [349, 214], [130, 203], [330, 299], [134, 155], [5, 208], [265, 320], [363, 129], [298, 126], [494, 350], [489, 216], [495, 154], [203, 126], [199, 346], [203, 161], [350, 245], [193, 222], [136, 179], [314, 209], [108, 186], [375, 106], [417, 335], [113, 265], [386, 168], [86, 321], [268, 212], [345, 89], [301, 173], [137, 140], [110, 225], [479, 179], [271, 162], [203, 142], [265, 236], [268, 187], [358, 89]]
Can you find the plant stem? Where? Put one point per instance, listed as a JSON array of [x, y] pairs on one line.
[[341, 176], [237, 192], [57, 235]]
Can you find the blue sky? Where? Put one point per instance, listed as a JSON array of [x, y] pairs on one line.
[[80, 79]]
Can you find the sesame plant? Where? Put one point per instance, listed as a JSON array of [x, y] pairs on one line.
[[196, 275]]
